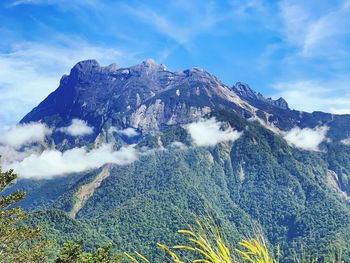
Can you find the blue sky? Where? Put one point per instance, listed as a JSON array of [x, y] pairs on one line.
[[296, 49]]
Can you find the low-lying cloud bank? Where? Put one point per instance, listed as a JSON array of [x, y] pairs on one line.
[[51, 163], [23, 134], [209, 132], [77, 128], [10, 154], [307, 138], [32, 162]]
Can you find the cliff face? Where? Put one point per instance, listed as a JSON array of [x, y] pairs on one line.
[[125, 96], [149, 97]]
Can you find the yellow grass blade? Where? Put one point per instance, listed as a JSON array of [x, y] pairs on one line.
[[142, 257], [131, 258]]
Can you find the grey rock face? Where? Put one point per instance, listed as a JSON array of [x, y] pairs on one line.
[[244, 91], [149, 97], [145, 96], [280, 103]]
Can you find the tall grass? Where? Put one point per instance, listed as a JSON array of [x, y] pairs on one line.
[[206, 244]]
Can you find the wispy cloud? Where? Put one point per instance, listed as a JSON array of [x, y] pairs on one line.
[[295, 22], [313, 54], [61, 3], [160, 23], [197, 18], [314, 95], [316, 34]]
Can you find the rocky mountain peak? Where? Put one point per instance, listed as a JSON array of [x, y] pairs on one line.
[[245, 92], [146, 96], [148, 67], [112, 67], [281, 103], [85, 66], [151, 63]]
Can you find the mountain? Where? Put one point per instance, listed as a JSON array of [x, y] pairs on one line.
[[299, 197], [246, 93], [149, 98]]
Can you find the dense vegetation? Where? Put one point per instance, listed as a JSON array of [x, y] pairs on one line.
[[16, 240], [257, 180]]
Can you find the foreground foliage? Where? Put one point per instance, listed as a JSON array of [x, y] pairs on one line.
[[16, 240], [18, 243], [73, 253], [206, 244]]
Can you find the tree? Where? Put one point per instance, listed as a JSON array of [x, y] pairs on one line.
[[18, 243], [73, 253]]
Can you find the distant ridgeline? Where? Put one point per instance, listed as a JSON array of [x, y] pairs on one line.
[[131, 154]]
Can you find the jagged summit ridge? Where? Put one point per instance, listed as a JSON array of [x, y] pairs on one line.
[[149, 97], [92, 64], [126, 96], [246, 92]]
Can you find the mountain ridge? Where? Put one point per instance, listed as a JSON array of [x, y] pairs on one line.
[[149, 98]]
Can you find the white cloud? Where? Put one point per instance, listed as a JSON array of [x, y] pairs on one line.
[[307, 138], [209, 132], [77, 128], [64, 4], [314, 55], [340, 111], [244, 7], [129, 132], [327, 32], [178, 145], [295, 19], [10, 154], [26, 2], [161, 23], [51, 163], [198, 17], [313, 95], [29, 71], [23, 134], [316, 31], [346, 141]]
